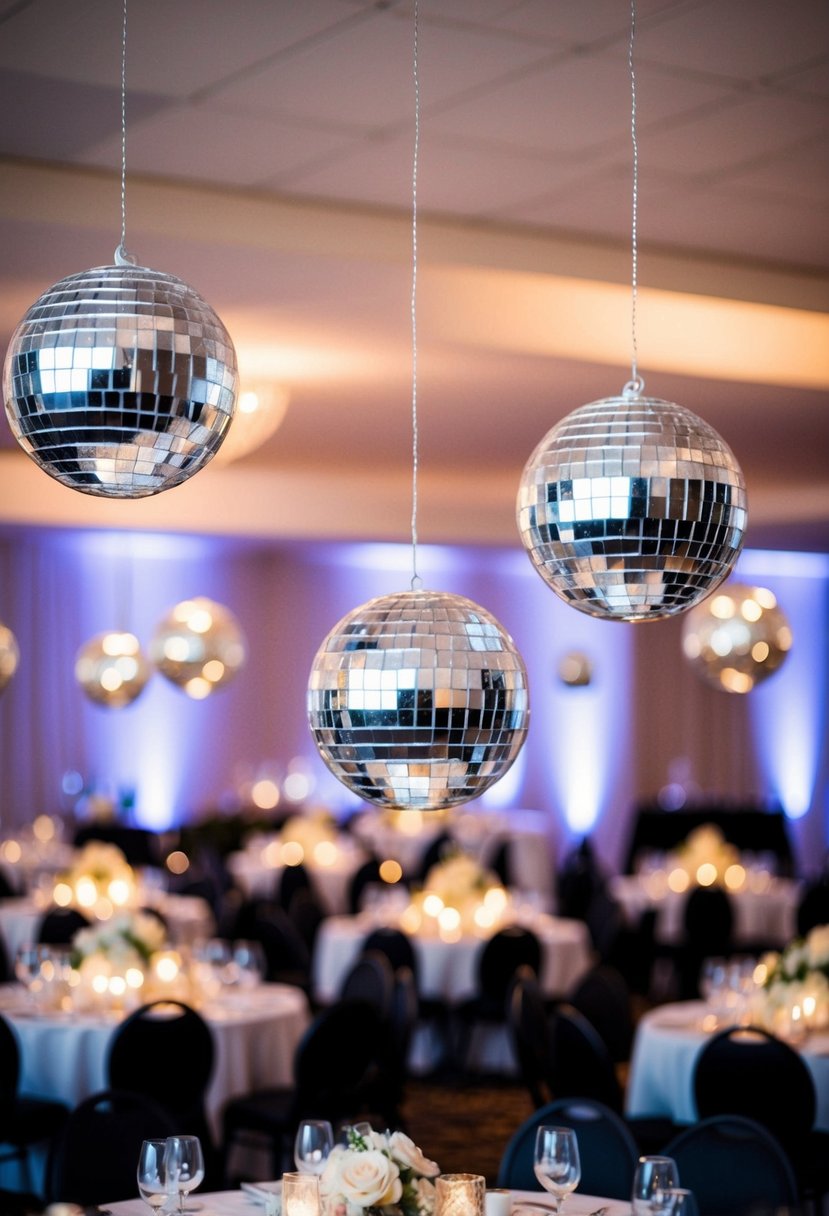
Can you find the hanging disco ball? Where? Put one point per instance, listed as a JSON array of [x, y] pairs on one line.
[[120, 381], [199, 646], [736, 638], [418, 699], [111, 669], [9, 655], [632, 508]]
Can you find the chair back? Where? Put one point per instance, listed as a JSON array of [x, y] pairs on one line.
[[734, 1166], [306, 914], [582, 1066], [370, 981], [291, 879], [529, 1030], [708, 919], [58, 926], [607, 1150], [287, 958], [512, 947], [813, 907], [750, 1072], [94, 1158], [395, 944], [432, 854], [9, 1073], [165, 1051], [366, 875], [603, 997], [338, 1062]]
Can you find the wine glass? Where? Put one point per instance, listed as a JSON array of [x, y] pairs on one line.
[[184, 1162], [314, 1141], [654, 1177], [682, 1202], [28, 961], [249, 963], [556, 1162], [152, 1173]]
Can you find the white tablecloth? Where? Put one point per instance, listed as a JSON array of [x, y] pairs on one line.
[[238, 1203], [668, 1041], [255, 1034], [257, 876], [188, 918], [448, 970], [767, 916]]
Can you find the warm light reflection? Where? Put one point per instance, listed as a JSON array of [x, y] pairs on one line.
[[292, 853], [391, 871], [325, 853]]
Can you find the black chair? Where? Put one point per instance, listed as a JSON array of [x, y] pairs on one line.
[[607, 1151], [752, 1073], [435, 852], [58, 926], [165, 1051], [604, 998], [291, 879], [335, 1077], [734, 1166], [582, 1067], [365, 876], [25, 1121], [395, 944], [370, 981], [94, 1158], [432, 1012], [306, 914], [579, 879], [813, 906], [510, 948], [498, 861], [708, 925], [287, 958], [529, 1028]]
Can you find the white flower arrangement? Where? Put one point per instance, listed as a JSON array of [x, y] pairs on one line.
[[99, 880], [127, 940], [378, 1172], [796, 985], [706, 848]]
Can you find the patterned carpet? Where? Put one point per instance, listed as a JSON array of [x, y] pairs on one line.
[[465, 1126]]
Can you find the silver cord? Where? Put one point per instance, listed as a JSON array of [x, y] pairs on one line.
[[416, 580], [122, 258], [635, 385]]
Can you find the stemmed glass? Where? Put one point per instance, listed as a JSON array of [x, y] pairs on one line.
[[682, 1202], [556, 1162], [28, 961], [184, 1163], [314, 1141], [655, 1177], [152, 1173]]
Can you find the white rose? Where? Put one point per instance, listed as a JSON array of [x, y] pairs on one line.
[[404, 1150], [425, 1194], [817, 946], [370, 1179]]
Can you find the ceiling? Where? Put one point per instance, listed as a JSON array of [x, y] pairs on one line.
[[270, 162]]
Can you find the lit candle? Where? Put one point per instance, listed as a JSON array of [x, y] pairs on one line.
[[460, 1194], [300, 1195]]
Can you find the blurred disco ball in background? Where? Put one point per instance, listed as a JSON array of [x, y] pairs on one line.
[[9, 655], [737, 638], [111, 669], [199, 646]]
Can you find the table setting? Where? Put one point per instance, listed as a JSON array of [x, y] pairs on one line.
[[764, 903]]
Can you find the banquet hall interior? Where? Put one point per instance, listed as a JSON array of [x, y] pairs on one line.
[[431, 230]]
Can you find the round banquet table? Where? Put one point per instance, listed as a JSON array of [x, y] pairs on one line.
[[447, 970], [242, 1203], [64, 1055], [188, 918], [767, 916], [257, 877], [668, 1041]]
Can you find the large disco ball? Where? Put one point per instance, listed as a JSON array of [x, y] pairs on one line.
[[120, 381], [9, 655], [418, 699], [736, 638], [632, 508], [199, 646], [111, 669]]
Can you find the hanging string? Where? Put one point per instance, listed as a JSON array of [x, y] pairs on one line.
[[635, 385], [122, 258], [416, 580]]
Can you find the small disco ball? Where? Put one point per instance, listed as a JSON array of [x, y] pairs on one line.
[[199, 646], [632, 508], [9, 655], [575, 669], [418, 700], [111, 669], [736, 638], [120, 381]]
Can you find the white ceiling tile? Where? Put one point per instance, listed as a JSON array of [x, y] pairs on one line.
[[745, 41], [363, 75], [720, 140]]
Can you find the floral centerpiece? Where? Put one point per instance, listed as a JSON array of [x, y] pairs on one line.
[[99, 881], [378, 1172], [114, 959], [795, 992], [459, 896], [706, 856]]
